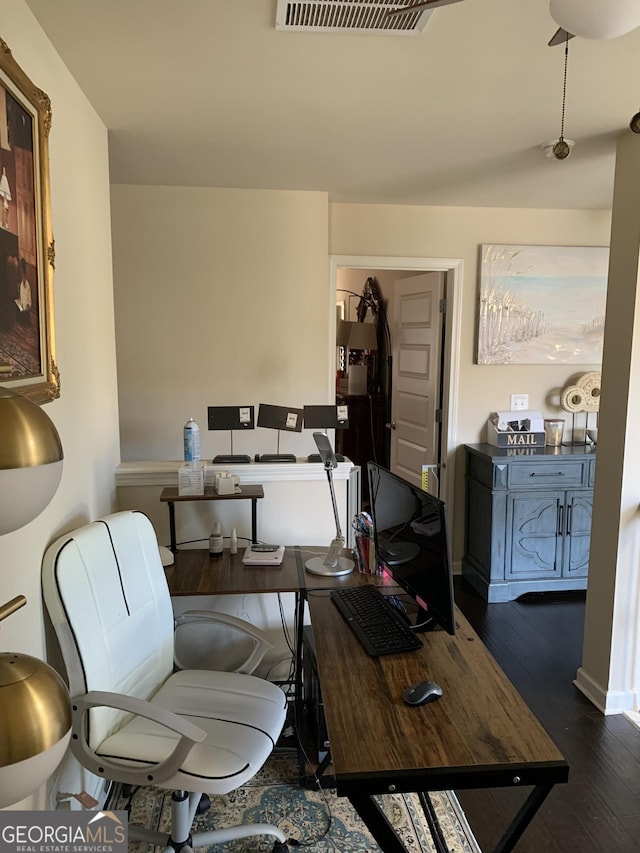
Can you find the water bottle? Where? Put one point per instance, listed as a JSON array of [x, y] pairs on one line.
[[233, 542], [191, 434]]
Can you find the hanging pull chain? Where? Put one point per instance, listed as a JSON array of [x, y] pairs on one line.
[[564, 85], [562, 148]]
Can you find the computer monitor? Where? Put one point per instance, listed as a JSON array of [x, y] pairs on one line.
[[412, 543]]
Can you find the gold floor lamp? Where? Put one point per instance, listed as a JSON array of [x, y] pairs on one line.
[[35, 711]]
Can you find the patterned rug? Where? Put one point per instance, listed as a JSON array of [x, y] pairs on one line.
[[317, 819]]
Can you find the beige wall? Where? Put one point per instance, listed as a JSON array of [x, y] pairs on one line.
[[230, 292], [86, 414], [222, 298], [457, 233], [450, 232]]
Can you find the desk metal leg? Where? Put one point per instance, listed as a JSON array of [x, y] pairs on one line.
[[172, 525], [523, 818], [434, 824], [377, 823], [254, 520], [298, 700]]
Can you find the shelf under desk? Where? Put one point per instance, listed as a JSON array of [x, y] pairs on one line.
[[170, 496], [479, 734]]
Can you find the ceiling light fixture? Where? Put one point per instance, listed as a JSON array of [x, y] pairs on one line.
[[596, 19]]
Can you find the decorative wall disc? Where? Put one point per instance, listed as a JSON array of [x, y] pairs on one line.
[[591, 390], [573, 399], [588, 377]]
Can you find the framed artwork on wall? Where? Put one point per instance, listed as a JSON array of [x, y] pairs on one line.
[[27, 341], [541, 304]]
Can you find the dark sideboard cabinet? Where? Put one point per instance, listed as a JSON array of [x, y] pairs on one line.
[[528, 519]]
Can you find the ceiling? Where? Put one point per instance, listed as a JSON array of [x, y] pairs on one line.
[[210, 93]]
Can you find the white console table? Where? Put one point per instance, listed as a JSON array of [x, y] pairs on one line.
[[296, 509]]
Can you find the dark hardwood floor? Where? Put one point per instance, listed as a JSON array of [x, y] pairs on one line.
[[537, 640]]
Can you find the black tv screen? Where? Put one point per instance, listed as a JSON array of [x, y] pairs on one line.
[[412, 543]]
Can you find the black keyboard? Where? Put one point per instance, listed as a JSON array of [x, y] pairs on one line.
[[375, 622]]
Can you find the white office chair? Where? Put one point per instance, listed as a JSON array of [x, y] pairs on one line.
[[135, 720]]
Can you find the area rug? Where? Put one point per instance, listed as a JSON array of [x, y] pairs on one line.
[[316, 819]]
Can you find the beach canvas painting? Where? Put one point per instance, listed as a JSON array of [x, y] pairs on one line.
[[542, 304]]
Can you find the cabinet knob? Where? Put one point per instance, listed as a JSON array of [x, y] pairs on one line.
[[392, 425]]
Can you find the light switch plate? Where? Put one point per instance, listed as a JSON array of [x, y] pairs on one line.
[[519, 402]]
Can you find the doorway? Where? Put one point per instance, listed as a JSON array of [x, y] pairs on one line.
[[356, 269]]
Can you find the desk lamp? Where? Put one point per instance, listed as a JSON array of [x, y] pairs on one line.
[[332, 564], [35, 713]]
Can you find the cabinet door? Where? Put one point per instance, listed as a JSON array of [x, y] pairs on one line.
[[534, 523], [579, 508]]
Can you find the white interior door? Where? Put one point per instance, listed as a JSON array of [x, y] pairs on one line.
[[417, 326]]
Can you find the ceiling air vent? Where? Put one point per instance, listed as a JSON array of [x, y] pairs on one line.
[[355, 16]]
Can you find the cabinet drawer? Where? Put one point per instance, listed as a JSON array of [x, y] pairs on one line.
[[559, 474]]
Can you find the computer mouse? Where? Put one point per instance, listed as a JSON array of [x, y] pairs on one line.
[[421, 693]]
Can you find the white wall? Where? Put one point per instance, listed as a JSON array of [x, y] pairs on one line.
[[458, 233], [229, 292], [86, 414]]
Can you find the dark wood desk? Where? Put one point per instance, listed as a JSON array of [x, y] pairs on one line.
[[479, 734], [195, 572]]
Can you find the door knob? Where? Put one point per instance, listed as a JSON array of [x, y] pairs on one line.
[[392, 425]]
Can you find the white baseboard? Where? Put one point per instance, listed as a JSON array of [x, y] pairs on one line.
[[634, 717], [607, 701]]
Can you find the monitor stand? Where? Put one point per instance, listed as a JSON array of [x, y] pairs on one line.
[[232, 459], [397, 552], [275, 457], [425, 622]]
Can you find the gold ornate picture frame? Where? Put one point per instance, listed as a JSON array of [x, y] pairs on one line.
[[27, 340]]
